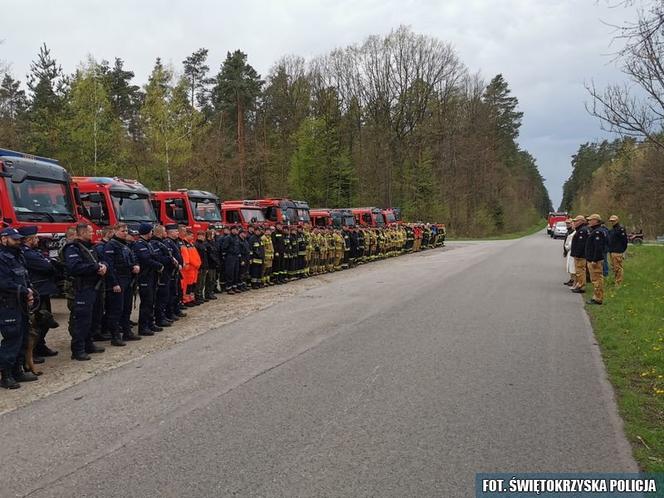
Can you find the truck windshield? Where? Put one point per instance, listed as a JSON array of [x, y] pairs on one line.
[[303, 215], [390, 218], [252, 215], [130, 206], [205, 209], [380, 221], [349, 221], [290, 214], [41, 200]]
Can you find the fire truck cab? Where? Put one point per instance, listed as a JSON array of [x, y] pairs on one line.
[[281, 210], [241, 213], [109, 201], [392, 215], [320, 217], [37, 191], [342, 218], [197, 209], [369, 216]]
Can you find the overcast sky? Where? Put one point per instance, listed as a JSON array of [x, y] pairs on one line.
[[546, 49]]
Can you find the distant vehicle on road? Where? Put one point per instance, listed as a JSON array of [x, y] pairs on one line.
[[635, 238], [560, 230], [553, 219]]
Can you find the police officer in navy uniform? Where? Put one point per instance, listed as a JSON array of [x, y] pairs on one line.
[[16, 297], [87, 274], [231, 252], [147, 280], [122, 268], [102, 332], [42, 273], [165, 257], [173, 309]]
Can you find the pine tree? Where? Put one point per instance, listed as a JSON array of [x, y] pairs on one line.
[[196, 71], [236, 91], [13, 104], [47, 87]]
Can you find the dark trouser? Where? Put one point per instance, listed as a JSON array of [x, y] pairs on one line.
[[118, 308], [85, 316], [163, 298], [210, 282], [146, 291], [256, 273], [173, 306], [277, 268], [200, 284], [12, 327], [231, 271], [244, 271], [44, 304]]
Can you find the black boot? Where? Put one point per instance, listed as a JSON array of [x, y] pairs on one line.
[[8, 381], [21, 375], [44, 350], [130, 336], [116, 339], [93, 348], [83, 356]]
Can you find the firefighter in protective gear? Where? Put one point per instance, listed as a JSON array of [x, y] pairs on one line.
[[257, 257], [315, 254], [266, 239], [308, 251], [338, 249]]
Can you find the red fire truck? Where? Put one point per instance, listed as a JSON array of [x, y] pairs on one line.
[[241, 213], [369, 216], [37, 191], [553, 219], [108, 201], [392, 215], [320, 217], [197, 209], [342, 218], [282, 210]]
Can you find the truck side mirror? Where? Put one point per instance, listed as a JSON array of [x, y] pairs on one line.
[[19, 176]]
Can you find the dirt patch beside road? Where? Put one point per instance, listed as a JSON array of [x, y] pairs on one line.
[[60, 372]]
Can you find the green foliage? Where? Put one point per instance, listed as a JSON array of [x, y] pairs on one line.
[[92, 129], [338, 130], [320, 172], [47, 87], [621, 177]]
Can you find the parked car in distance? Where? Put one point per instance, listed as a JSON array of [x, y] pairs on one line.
[[560, 230]]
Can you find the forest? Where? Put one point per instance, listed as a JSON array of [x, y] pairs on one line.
[[623, 177], [393, 120]]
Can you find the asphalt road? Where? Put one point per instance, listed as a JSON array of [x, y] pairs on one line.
[[401, 378]]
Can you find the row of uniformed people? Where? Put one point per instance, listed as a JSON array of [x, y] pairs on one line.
[[588, 246], [267, 255], [168, 270]]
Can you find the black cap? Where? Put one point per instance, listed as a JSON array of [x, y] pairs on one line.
[[28, 231]]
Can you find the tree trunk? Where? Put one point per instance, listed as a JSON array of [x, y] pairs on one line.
[[240, 143]]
